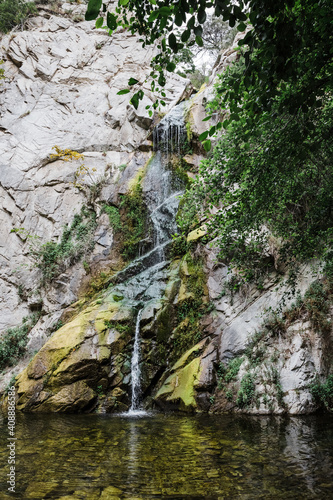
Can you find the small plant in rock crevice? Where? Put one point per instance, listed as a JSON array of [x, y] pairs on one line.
[[77, 240], [93, 186], [313, 306], [114, 216], [123, 328], [133, 211], [55, 326], [246, 393], [229, 372], [322, 392], [10, 384], [15, 13]]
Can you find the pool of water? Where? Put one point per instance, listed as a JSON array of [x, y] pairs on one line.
[[170, 456]]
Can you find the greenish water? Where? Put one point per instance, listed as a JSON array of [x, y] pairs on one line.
[[170, 456]]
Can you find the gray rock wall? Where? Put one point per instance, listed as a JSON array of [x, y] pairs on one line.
[[60, 88]]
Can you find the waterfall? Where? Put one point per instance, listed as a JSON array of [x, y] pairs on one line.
[[170, 131], [144, 280], [135, 367]]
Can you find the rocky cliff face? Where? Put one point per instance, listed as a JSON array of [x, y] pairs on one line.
[[61, 86], [204, 347]]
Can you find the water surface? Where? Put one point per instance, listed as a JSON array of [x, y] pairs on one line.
[[171, 456]]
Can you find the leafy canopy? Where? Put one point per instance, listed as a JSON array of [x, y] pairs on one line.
[[280, 30], [271, 172]]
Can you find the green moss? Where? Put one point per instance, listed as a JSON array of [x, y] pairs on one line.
[[117, 298], [192, 305], [180, 386], [164, 320], [189, 131]]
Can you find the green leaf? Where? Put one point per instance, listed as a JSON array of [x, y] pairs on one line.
[[153, 2], [207, 145], [122, 92], [198, 30], [201, 16], [94, 6], [241, 27], [232, 20], [111, 21], [132, 81], [207, 118], [185, 35], [191, 22], [198, 41], [172, 41], [99, 22], [212, 130], [123, 2], [203, 136], [178, 19], [161, 80], [135, 101], [136, 98], [171, 66], [153, 16], [164, 11]]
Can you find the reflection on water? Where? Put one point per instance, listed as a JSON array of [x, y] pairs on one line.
[[170, 456]]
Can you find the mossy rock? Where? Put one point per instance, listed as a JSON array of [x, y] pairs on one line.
[[164, 321], [178, 391], [196, 234], [71, 398], [75, 356]]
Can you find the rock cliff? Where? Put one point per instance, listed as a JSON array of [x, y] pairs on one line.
[[60, 89], [204, 345]]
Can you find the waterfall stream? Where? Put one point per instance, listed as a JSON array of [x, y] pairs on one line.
[[135, 368], [144, 280]]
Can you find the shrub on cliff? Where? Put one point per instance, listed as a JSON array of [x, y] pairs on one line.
[[14, 13], [13, 342]]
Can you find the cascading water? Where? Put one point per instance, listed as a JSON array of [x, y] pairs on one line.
[[169, 133], [135, 367], [146, 276]]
